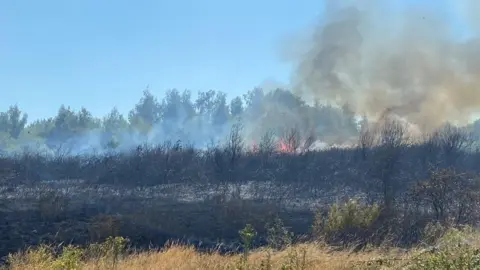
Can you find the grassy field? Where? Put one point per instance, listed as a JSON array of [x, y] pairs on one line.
[[346, 238], [302, 256], [455, 249]]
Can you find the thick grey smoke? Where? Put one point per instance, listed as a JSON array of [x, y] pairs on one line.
[[405, 56]]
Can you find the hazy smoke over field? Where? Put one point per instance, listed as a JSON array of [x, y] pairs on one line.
[[411, 58], [408, 56]]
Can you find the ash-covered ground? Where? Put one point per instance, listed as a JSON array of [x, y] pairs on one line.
[[153, 195]]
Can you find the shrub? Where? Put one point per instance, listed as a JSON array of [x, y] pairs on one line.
[[247, 234], [450, 195], [454, 250], [348, 221], [69, 259], [278, 236]]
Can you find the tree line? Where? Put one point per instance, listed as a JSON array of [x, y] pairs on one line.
[[177, 117]]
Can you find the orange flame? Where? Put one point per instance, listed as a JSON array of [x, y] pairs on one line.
[[280, 146], [284, 147]]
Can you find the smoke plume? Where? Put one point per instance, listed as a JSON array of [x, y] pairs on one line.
[[412, 58]]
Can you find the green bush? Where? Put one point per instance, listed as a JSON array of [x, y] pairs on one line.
[[110, 250], [278, 236], [454, 250], [350, 219], [69, 259], [350, 215]]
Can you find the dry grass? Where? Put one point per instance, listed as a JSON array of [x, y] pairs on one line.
[[298, 257], [448, 248]]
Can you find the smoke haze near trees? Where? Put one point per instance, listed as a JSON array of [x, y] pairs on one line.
[[177, 116], [363, 58]]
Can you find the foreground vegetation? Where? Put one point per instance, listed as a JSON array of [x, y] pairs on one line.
[[453, 248], [386, 192]]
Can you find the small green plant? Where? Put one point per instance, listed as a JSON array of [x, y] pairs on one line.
[[69, 259], [113, 248], [110, 251], [278, 236], [247, 234]]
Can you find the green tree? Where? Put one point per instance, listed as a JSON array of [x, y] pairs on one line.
[[236, 107], [13, 121], [204, 102], [113, 124], [114, 121], [176, 107], [146, 112], [220, 113], [85, 121], [64, 125]]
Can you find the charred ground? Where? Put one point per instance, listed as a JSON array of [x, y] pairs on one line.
[[171, 191]]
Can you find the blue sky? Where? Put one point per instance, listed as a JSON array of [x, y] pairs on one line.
[[101, 54]]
